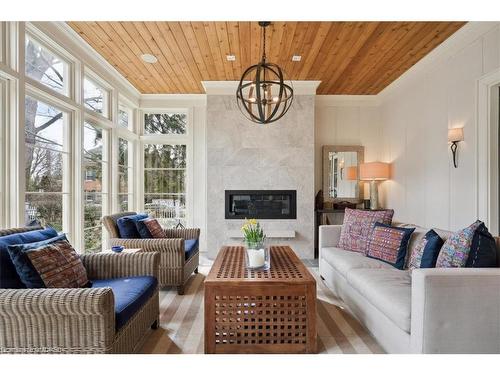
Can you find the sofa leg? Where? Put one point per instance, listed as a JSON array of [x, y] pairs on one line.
[[196, 270], [180, 290], [155, 325]]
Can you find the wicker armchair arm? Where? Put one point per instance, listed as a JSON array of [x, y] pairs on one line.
[[110, 265], [162, 245], [56, 320], [186, 233]]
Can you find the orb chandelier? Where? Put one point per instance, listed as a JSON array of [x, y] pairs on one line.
[[263, 96]]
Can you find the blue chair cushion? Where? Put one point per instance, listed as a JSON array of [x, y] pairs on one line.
[[143, 229], [27, 273], [9, 279], [127, 225], [131, 293], [190, 247]]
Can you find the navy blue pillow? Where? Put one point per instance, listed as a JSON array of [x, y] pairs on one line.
[[127, 225], [27, 273], [143, 229], [483, 251], [431, 249], [9, 279]]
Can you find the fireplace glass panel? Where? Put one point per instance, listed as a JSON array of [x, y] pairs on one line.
[[261, 204]]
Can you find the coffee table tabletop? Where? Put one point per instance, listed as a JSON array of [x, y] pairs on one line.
[[249, 311]]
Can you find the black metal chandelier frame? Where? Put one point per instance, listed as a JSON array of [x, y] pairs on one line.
[[268, 108]]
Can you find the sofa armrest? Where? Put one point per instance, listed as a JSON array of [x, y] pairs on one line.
[[455, 310], [185, 233], [57, 320], [329, 235], [110, 265], [170, 245]]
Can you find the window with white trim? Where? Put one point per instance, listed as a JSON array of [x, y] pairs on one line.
[[95, 190], [125, 187], [95, 97], [47, 158], [165, 123], [125, 116], [45, 66]]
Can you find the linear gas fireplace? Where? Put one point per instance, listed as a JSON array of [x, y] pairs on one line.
[[261, 204]]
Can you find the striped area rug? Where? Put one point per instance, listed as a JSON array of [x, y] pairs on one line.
[[181, 323]]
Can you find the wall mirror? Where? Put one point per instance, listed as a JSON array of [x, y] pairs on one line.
[[341, 173]]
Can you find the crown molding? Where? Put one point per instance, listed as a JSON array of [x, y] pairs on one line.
[[81, 50], [463, 37], [229, 87]]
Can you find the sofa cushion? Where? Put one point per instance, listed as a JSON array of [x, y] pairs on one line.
[[389, 290], [27, 273], [127, 227], [58, 265], [343, 261], [358, 226], [190, 247], [483, 252], [426, 251], [455, 250], [9, 279], [131, 293]]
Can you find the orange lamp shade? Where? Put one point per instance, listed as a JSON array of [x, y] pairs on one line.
[[352, 173], [374, 171]]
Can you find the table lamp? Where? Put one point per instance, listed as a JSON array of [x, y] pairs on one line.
[[374, 172]]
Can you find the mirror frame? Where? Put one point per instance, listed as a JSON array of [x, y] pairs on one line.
[[360, 150]]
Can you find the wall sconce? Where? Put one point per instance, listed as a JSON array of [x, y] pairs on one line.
[[455, 135]]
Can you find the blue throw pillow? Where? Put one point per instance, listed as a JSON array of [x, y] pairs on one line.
[[143, 229], [27, 273], [483, 251], [9, 279], [126, 225]]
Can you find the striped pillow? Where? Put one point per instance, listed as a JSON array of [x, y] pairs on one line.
[[155, 228], [389, 244], [59, 265]]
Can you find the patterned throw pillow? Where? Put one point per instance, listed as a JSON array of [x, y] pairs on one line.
[[155, 228], [426, 252], [358, 226], [59, 265], [483, 250], [389, 244], [455, 250]]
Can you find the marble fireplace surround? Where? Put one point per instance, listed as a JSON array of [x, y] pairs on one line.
[[242, 155]]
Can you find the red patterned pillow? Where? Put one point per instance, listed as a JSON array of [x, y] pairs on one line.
[[155, 228], [389, 244], [59, 265], [358, 227]]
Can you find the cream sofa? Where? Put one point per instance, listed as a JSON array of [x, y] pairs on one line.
[[425, 311]]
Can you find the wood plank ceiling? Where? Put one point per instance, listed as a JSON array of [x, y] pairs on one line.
[[347, 57]]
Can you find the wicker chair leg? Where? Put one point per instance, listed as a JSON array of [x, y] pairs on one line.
[[196, 270], [180, 290], [155, 325]]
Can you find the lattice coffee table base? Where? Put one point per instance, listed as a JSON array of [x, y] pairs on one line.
[[260, 314]]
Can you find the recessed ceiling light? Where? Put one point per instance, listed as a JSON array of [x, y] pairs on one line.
[[150, 59], [230, 57], [296, 58]]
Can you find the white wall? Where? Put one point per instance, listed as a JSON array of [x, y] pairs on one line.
[[346, 121], [416, 111]]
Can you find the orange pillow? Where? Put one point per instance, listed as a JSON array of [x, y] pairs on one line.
[[155, 228]]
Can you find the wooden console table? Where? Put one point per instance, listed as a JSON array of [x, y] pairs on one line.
[[260, 311]]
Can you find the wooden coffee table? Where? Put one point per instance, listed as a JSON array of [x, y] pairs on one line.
[[260, 311]]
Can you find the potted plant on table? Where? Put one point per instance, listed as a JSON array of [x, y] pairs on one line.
[[257, 254]]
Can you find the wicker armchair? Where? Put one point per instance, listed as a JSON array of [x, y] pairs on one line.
[[77, 320], [174, 270]]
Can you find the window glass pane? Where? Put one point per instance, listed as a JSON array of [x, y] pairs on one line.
[[164, 183], [45, 163], [124, 117], [45, 67], [165, 156], [45, 209], [93, 239], [95, 97], [122, 179], [165, 123], [122, 152], [123, 202]]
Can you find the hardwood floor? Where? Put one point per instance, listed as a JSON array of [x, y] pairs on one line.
[[181, 323]]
